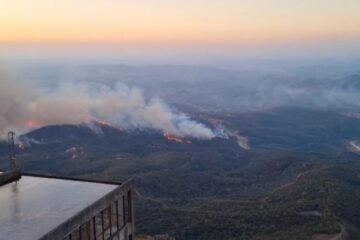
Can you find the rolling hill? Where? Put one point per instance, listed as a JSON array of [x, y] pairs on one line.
[[297, 180]]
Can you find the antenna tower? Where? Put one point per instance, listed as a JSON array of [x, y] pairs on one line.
[[12, 148]]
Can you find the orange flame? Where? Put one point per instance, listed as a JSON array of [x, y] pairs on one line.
[[31, 124], [106, 124], [174, 138]]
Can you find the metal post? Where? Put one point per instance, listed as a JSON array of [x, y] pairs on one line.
[[11, 142]]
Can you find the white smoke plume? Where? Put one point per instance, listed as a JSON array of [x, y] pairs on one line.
[[26, 106]]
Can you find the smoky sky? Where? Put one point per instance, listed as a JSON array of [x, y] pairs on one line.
[[24, 105], [151, 96]]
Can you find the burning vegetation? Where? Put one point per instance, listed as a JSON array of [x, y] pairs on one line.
[[77, 103], [103, 123], [177, 139]]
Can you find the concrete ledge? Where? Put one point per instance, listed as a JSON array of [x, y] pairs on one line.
[[86, 214], [10, 176]]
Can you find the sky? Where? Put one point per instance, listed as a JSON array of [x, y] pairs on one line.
[[192, 24], [213, 32]]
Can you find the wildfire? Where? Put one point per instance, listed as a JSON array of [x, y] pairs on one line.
[[30, 124], [174, 138], [106, 124], [102, 123]]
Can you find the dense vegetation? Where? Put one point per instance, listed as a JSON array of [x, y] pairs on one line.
[[298, 180]]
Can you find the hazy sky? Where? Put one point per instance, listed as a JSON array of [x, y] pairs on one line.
[[179, 22]]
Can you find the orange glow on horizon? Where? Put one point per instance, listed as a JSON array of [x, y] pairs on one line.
[[177, 22]]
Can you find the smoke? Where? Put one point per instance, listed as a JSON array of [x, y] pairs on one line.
[[29, 106], [13, 104]]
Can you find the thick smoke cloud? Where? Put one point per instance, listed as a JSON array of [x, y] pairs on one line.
[[23, 107], [13, 104]]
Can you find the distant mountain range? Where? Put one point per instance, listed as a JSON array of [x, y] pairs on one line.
[[281, 129], [351, 83]]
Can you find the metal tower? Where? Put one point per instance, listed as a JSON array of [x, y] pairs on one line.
[[12, 148]]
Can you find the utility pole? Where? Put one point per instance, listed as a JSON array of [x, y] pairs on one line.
[[12, 148]]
